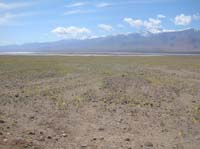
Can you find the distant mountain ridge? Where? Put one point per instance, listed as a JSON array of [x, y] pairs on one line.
[[185, 41]]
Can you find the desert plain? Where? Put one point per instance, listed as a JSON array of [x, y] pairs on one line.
[[100, 102]]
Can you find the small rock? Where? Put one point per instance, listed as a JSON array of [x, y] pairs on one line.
[[84, 146], [17, 95], [56, 139], [19, 141], [2, 121], [5, 140], [49, 137], [120, 120], [94, 139], [41, 139], [197, 137], [101, 129], [127, 139], [64, 135], [148, 144], [31, 133], [1, 133], [31, 118]]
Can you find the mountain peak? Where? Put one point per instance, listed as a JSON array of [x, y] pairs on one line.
[[187, 40]]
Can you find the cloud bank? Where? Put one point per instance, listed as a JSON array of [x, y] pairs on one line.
[[102, 5], [72, 32], [182, 20], [105, 27], [151, 25], [9, 6]]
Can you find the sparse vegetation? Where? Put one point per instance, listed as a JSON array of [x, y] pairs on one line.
[[99, 102]]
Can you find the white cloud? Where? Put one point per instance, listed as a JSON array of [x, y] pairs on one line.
[[101, 5], [72, 12], [105, 27], [168, 30], [182, 19], [153, 25], [9, 17], [160, 16], [5, 18], [8, 6], [133, 23], [72, 32], [78, 4], [196, 17]]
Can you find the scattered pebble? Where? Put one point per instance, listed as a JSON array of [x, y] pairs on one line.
[[41, 138], [101, 129], [197, 137], [94, 139], [56, 138], [31, 118], [148, 144], [84, 146], [64, 135], [8, 133], [31, 133], [2, 121], [127, 139]]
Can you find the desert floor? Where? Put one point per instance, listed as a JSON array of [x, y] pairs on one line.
[[63, 102]]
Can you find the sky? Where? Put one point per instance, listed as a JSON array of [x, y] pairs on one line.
[[27, 21]]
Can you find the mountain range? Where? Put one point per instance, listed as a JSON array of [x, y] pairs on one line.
[[185, 41]]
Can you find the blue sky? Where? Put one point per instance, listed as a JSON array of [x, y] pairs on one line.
[[23, 21]]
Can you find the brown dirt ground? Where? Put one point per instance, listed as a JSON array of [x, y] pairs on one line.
[[99, 103]]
